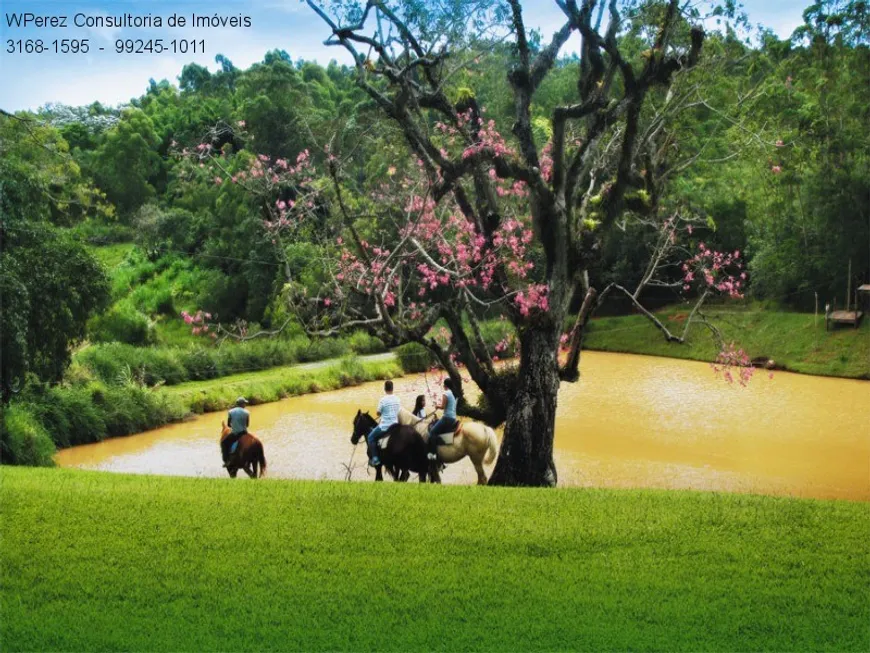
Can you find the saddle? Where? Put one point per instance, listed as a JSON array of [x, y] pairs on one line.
[[447, 438], [235, 445], [381, 442]]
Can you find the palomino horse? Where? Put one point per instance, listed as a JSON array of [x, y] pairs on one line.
[[247, 456], [473, 439], [404, 453]]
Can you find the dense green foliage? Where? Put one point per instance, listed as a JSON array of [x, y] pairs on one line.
[[779, 130], [96, 561], [49, 283]]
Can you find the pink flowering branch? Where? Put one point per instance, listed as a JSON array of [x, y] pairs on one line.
[[733, 364]]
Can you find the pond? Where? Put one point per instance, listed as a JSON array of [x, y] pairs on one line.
[[630, 422]]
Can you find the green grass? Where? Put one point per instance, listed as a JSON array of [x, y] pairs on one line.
[[792, 340], [278, 383], [172, 365], [111, 256], [94, 561]]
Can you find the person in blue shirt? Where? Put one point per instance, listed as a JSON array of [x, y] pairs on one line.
[[388, 411], [238, 420], [447, 423]]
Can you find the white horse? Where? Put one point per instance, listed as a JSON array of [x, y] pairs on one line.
[[473, 439]]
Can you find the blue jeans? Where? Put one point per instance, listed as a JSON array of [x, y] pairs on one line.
[[443, 425], [371, 439]]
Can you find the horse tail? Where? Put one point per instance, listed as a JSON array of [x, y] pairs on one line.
[[491, 445], [262, 460]]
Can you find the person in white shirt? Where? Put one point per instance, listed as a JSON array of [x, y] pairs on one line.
[[388, 411], [420, 407]]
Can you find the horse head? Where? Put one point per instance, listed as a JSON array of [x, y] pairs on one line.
[[363, 423]]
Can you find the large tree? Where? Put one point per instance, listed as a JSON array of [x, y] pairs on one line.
[[49, 283], [471, 178], [467, 222]]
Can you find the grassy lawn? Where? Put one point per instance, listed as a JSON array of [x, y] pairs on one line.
[[94, 561], [793, 340]]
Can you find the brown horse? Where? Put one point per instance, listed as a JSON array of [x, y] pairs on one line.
[[248, 455]]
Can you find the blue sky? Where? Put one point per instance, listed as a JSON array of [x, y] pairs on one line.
[[28, 81]]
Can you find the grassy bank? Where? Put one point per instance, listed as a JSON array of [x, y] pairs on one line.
[[43, 419], [110, 362], [795, 341], [272, 385], [95, 561]]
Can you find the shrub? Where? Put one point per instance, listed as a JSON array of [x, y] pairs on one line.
[[350, 371], [100, 233], [316, 350], [122, 324], [75, 407], [23, 439], [365, 343], [154, 299], [199, 363], [499, 331], [414, 357], [131, 409], [116, 363]]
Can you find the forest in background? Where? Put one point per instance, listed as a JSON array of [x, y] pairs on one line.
[[110, 229]]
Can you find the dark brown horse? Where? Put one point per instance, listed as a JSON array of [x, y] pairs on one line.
[[404, 453], [248, 455]]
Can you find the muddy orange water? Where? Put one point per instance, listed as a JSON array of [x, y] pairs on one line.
[[631, 421]]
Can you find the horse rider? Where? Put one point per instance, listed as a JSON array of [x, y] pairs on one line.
[[237, 419], [388, 411], [420, 407], [447, 423]]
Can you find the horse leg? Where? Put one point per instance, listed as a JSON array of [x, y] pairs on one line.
[[252, 473], [434, 476], [233, 471], [481, 475], [404, 475], [379, 476], [423, 477]]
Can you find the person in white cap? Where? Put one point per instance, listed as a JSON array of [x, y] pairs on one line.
[[237, 419]]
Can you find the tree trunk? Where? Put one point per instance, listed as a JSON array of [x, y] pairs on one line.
[[526, 456]]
